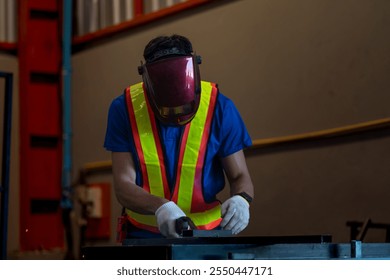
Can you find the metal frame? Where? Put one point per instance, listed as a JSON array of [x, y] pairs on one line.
[[5, 168]]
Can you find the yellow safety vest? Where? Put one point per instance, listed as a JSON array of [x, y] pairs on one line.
[[187, 192]]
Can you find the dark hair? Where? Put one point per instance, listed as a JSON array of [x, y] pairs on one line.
[[164, 46]]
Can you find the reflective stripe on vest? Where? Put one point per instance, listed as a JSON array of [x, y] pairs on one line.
[[187, 194]]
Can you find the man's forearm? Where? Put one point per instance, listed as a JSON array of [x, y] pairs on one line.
[[138, 200]]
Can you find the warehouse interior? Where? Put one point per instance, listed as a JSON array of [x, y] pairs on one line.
[[310, 79]]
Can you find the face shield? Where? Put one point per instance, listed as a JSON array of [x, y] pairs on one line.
[[173, 88]]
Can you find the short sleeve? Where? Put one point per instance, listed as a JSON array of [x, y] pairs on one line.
[[118, 133], [233, 133]]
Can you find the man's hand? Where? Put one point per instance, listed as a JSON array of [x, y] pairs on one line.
[[235, 214], [166, 215]]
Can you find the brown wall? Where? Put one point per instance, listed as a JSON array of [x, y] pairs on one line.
[[291, 67]]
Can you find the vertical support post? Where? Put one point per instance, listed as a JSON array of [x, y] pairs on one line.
[[41, 148], [66, 198], [4, 187], [67, 129], [356, 249]]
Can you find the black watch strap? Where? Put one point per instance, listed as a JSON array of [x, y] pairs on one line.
[[246, 196]]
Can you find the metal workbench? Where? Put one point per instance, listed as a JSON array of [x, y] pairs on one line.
[[225, 248]]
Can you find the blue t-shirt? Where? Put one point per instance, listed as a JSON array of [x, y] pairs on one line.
[[228, 135]]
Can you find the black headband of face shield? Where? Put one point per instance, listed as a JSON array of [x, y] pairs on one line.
[[166, 52], [141, 69]]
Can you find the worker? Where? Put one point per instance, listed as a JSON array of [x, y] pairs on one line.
[[173, 138]]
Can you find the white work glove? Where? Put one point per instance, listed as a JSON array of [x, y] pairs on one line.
[[235, 214], [166, 215]]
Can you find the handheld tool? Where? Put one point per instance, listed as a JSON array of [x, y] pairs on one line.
[[184, 224], [185, 227]]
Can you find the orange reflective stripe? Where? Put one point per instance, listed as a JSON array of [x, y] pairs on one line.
[[211, 225]]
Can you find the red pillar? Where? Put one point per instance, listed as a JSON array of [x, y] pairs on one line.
[[39, 54]]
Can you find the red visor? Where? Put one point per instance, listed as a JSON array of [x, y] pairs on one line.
[[173, 88]]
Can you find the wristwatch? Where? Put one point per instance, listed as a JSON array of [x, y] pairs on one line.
[[246, 196]]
